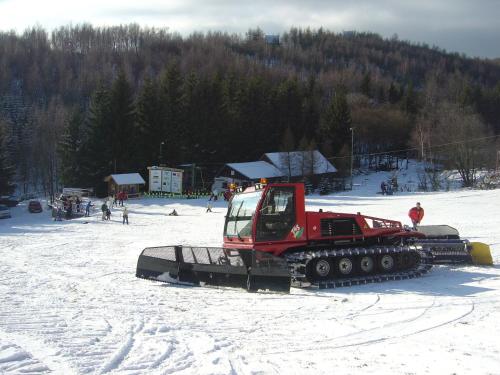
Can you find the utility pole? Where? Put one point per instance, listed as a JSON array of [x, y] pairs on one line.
[[193, 171], [352, 151], [161, 161]]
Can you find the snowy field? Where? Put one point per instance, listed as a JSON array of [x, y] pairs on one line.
[[70, 302]]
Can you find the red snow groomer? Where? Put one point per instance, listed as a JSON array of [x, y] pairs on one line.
[[271, 242]]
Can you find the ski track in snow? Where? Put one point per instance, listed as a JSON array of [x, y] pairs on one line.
[[70, 302]]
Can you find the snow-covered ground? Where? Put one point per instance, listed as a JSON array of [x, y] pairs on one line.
[[70, 302]]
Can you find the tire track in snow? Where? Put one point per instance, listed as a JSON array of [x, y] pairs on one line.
[[119, 356], [277, 341], [380, 339], [357, 313], [374, 329]]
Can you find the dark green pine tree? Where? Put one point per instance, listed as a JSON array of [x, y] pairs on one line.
[[255, 120], [288, 110], [216, 120], [337, 123], [393, 94], [234, 128], [122, 121], [149, 124], [381, 95], [366, 85], [311, 109], [97, 158], [410, 100], [194, 126], [6, 170], [70, 151], [171, 93]]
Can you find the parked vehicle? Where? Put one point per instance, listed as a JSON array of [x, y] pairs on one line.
[[35, 207], [4, 212], [9, 201]]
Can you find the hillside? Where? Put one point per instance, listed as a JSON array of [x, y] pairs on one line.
[[82, 102]]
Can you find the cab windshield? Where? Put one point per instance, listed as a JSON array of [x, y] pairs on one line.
[[240, 214]]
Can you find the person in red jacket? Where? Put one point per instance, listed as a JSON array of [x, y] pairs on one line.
[[416, 215]]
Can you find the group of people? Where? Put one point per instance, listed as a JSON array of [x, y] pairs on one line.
[[106, 213], [388, 188], [67, 206], [119, 197]]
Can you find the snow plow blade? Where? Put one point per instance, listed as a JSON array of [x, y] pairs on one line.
[[248, 269], [447, 247]]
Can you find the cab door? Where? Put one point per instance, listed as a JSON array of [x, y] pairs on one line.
[[277, 214]]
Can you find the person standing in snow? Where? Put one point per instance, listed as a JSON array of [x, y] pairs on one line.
[[416, 215], [104, 208], [59, 214], [125, 215], [383, 187], [87, 208], [209, 207]]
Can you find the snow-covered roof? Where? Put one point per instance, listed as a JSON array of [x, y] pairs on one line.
[[128, 179], [299, 163], [256, 169]]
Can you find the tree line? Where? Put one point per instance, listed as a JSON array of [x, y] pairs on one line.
[[84, 102]]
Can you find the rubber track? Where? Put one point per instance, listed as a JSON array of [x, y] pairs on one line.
[[302, 257]]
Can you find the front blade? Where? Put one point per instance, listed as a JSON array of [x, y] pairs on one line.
[[248, 269]]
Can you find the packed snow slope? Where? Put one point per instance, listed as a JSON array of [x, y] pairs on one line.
[[70, 302]]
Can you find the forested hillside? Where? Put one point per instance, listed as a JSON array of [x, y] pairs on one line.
[[82, 102]]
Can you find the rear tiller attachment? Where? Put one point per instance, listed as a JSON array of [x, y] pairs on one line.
[[447, 247]]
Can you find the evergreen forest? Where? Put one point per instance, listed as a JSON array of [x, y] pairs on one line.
[[81, 102]]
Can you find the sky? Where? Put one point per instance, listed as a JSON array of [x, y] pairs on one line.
[[464, 26]]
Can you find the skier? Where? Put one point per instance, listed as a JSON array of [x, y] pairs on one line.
[[104, 207], [59, 214], [173, 213], [87, 208], [388, 190], [69, 211], [383, 187], [209, 207], [108, 214], [416, 215], [125, 215]]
